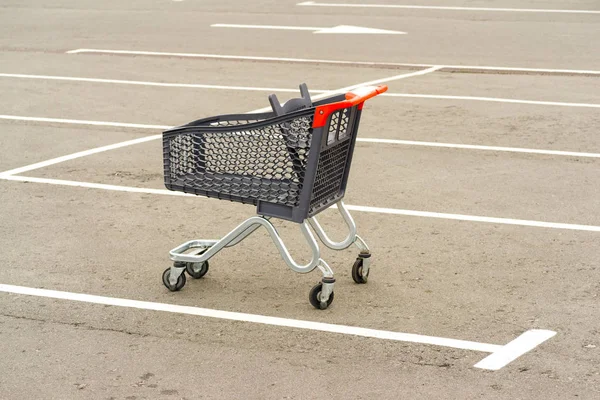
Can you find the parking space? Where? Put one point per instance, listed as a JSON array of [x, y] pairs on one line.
[[441, 180], [437, 280], [474, 248]]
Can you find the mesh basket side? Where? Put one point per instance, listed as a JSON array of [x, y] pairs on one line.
[[246, 165]]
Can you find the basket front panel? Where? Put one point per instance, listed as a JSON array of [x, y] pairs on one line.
[[247, 165], [330, 174], [333, 160]]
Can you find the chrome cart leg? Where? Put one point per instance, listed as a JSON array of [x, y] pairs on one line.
[[245, 234], [360, 269], [344, 244], [321, 295], [362, 246]]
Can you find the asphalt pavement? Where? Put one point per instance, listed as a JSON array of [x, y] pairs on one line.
[[475, 186]]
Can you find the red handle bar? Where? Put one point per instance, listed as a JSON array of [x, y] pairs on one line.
[[356, 97]]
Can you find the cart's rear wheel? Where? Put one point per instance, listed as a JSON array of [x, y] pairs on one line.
[[357, 272], [180, 281], [196, 269], [315, 297]]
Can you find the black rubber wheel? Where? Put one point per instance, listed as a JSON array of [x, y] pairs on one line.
[[314, 295], [196, 270], [357, 272], [180, 281]]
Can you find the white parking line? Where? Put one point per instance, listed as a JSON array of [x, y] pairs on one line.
[[165, 127], [369, 83], [420, 7], [503, 354], [475, 218], [479, 147], [378, 81], [322, 93], [146, 83], [79, 154], [493, 99], [337, 62], [90, 185], [515, 349], [82, 122], [375, 210]]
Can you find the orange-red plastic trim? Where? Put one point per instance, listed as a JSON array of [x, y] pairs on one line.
[[323, 112]]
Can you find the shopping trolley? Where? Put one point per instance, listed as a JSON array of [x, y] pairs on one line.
[[291, 163]]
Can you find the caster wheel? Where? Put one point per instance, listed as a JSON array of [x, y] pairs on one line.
[[357, 272], [180, 281], [196, 270], [315, 297]]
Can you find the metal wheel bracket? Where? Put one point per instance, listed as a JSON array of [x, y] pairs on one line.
[[366, 263], [326, 291], [175, 274]]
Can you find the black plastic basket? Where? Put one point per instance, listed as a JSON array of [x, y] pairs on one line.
[[290, 166]]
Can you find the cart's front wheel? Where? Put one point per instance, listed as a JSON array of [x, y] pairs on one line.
[[315, 297], [196, 270], [357, 272], [180, 281]]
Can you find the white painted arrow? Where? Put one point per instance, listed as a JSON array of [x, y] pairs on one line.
[[336, 29]]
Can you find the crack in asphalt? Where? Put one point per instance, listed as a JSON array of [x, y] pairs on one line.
[[77, 325]]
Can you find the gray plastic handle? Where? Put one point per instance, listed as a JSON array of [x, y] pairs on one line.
[[292, 104]]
